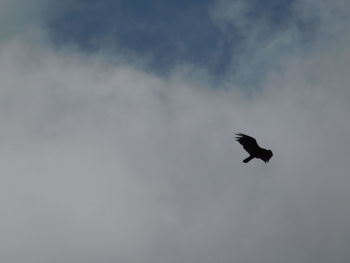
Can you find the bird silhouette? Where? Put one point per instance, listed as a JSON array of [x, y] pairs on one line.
[[251, 146]]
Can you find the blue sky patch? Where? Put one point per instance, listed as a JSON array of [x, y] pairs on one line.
[[166, 32]]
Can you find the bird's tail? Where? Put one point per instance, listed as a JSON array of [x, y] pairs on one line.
[[248, 159]]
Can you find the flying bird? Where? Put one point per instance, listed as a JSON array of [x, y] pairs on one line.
[[251, 146]]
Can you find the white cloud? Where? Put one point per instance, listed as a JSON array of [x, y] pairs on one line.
[[102, 162]]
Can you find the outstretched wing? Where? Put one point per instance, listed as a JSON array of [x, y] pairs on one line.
[[249, 143]]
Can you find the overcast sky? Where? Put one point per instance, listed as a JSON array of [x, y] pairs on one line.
[[117, 126]]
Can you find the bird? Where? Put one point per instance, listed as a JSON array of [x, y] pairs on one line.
[[251, 146]]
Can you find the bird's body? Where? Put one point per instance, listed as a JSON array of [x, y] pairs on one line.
[[251, 146]]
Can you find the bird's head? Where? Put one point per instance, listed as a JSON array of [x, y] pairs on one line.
[[267, 156]]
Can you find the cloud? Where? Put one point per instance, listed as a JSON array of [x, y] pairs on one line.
[[21, 17], [265, 36], [104, 161]]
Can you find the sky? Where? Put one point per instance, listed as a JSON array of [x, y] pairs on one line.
[[118, 121]]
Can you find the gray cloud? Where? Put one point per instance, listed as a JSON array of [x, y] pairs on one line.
[[21, 17], [102, 161], [266, 36]]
